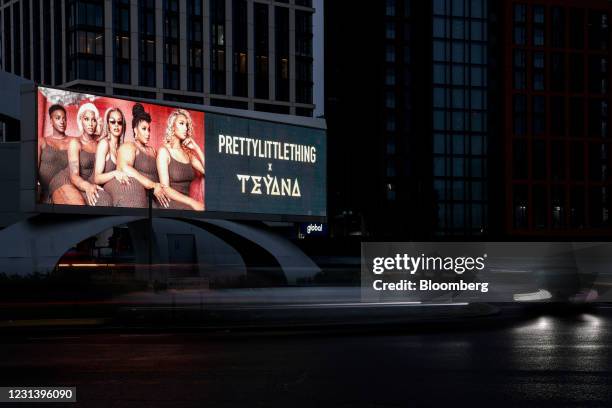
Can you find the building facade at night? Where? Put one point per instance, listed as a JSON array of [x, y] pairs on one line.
[[556, 131], [230, 53], [422, 129], [494, 123], [242, 58]]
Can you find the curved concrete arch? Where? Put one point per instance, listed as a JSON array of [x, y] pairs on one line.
[[216, 260], [36, 244], [295, 264]]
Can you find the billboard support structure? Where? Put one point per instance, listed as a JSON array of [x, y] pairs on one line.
[[150, 235]]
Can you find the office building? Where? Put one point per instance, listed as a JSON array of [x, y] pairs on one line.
[[230, 53], [470, 118], [416, 103], [556, 134]]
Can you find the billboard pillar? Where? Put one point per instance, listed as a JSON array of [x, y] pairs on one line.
[[150, 234]]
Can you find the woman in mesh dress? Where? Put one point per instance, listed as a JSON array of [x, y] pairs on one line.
[[137, 160], [178, 161], [74, 185], [52, 151], [113, 134]]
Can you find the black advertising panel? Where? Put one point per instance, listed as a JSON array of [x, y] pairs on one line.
[[262, 167]]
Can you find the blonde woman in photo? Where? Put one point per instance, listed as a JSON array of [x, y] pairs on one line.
[[178, 161]]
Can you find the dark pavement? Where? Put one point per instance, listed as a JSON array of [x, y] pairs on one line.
[[547, 360]]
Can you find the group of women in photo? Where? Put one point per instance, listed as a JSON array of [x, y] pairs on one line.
[[100, 168]]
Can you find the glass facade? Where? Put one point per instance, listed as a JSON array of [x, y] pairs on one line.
[[240, 48], [171, 44], [147, 52], [6, 39], [57, 38], [36, 68], [281, 23], [261, 51], [303, 56], [460, 130], [121, 44], [16, 11], [560, 136], [217, 47], [27, 49], [195, 43], [85, 40], [397, 98], [168, 46], [47, 44]]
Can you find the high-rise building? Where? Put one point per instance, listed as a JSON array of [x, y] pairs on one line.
[[460, 105], [470, 118], [555, 122], [245, 54], [415, 98]]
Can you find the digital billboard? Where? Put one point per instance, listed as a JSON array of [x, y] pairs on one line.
[[106, 152]]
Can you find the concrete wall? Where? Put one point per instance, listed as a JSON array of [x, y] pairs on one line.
[[9, 185]]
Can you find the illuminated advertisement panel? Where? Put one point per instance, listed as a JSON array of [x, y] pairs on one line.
[[260, 167], [105, 152]]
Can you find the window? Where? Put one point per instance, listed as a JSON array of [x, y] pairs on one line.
[[282, 53], [390, 99], [557, 153], [520, 206], [194, 46], [519, 160], [121, 46], [240, 48], [390, 76], [577, 72], [303, 60], [538, 71], [390, 31], [520, 73], [539, 160], [146, 24], [558, 27], [390, 8], [520, 18], [577, 28], [217, 45], [520, 115], [520, 13], [576, 117], [171, 44]]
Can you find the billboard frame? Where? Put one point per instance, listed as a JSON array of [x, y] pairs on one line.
[[29, 151]]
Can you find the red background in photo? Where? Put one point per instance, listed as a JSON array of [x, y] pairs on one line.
[[159, 120]]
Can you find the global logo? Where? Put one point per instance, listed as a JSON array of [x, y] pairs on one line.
[[314, 228]]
